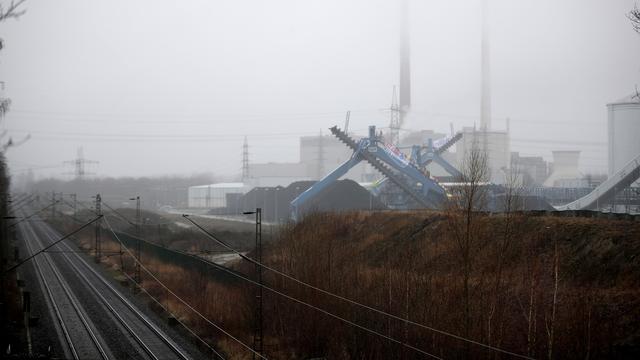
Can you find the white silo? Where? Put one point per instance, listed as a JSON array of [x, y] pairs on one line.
[[624, 132]]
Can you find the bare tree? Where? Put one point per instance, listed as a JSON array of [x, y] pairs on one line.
[[550, 319], [467, 200], [501, 245], [634, 16], [12, 10]]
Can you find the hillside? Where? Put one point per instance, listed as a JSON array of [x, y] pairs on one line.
[[411, 264], [539, 286]]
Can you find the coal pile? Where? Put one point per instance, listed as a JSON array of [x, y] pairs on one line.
[[342, 195]]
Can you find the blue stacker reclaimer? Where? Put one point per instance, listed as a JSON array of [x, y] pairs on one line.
[[388, 161], [425, 155], [421, 157]]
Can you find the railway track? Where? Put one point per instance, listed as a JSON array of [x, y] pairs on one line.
[[146, 339], [79, 334]]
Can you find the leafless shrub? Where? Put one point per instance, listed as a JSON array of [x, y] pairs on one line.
[[12, 10], [468, 199], [634, 16]]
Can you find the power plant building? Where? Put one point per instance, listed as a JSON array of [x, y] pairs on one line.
[[495, 143], [565, 173], [532, 169]]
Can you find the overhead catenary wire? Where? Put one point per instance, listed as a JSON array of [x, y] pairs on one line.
[[129, 118], [353, 302], [22, 202], [52, 244], [119, 214], [178, 297], [35, 213], [174, 316], [374, 332], [132, 223]]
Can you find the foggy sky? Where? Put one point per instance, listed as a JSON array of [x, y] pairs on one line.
[[172, 87]]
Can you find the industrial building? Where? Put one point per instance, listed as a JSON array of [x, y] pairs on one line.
[[495, 143], [533, 170], [564, 170], [343, 156], [319, 155]]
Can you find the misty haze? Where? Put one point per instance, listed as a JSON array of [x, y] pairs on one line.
[[359, 179]]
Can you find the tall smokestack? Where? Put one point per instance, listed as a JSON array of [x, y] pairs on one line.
[[485, 111], [405, 62]]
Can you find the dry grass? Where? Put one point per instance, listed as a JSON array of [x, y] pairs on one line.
[[407, 264]]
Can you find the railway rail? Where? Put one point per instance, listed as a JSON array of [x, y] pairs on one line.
[[78, 332], [146, 340]]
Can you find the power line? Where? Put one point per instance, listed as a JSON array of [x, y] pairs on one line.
[[407, 321], [245, 160], [35, 213], [127, 118], [178, 297], [292, 299], [52, 244], [132, 223], [174, 316]]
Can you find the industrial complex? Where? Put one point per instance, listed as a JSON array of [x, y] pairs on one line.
[[416, 169]]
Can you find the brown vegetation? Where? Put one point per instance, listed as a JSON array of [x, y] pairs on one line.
[[563, 288], [546, 287]]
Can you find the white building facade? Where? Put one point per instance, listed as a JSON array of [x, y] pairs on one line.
[[495, 143]]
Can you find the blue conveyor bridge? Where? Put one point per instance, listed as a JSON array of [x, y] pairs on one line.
[[386, 159], [425, 155]]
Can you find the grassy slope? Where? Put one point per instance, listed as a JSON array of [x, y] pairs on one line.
[[409, 263]]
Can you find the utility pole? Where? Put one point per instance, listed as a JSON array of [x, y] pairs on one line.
[[320, 168], [97, 227], [79, 165], [395, 121], [138, 242], [53, 205], [257, 330], [257, 340], [75, 206], [245, 160]]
